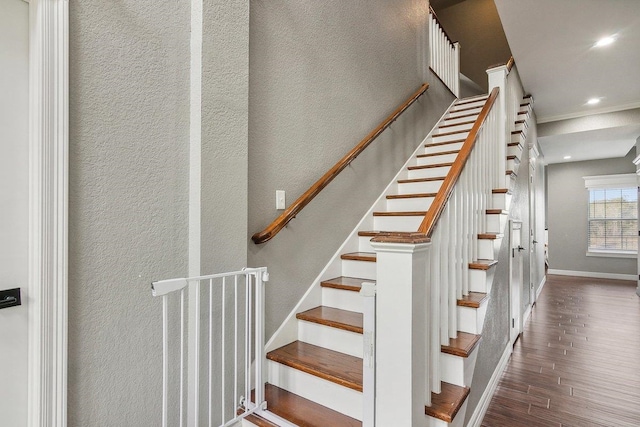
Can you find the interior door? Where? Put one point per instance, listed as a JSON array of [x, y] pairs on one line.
[[515, 279], [14, 205], [533, 242]]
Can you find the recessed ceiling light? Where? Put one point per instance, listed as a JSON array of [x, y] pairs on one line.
[[605, 41], [593, 101], [566, 157]]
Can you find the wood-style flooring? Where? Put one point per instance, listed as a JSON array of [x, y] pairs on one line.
[[577, 362]]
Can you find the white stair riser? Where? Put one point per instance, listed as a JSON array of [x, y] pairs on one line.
[[471, 320], [448, 137], [462, 126], [331, 395], [344, 300], [432, 160], [480, 280], [517, 137], [432, 149], [479, 103], [410, 204], [364, 244], [523, 115], [496, 223], [462, 119], [361, 269], [458, 370], [488, 248], [462, 112], [514, 150], [429, 172], [501, 201], [419, 187], [458, 421], [397, 223], [332, 338], [521, 126], [513, 164]]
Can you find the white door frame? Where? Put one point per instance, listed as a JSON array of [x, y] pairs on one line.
[[515, 291], [48, 211]]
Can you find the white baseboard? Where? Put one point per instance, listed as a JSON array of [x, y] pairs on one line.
[[526, 315], [594, 274], [485, 400], [540, 286]]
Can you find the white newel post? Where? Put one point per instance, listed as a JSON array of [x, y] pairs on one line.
[[402, 329], [456, 65], [498, 78], [636, 161]]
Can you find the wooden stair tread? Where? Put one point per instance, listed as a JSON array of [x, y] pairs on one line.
[[333, 317], [465, 109], [501, 191], [513, 144], [327, 364], [300, 411], [450, 133], [360, 256], [400, 213], [461, 346], [473, 300], [446, 404], [471, 122], [482, 264], [496, 212], [435, 165], [471, 99], [408, 181], [490, 236], [435, 144], [460, 116], [511, 173], [410, 196], [514, 157], [345, 283], [515, 132], [442, 153]]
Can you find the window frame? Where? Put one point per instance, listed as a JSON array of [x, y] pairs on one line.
[[599, 182]]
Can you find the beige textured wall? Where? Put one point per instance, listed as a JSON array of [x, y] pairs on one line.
[[128, 188], [322, 76]]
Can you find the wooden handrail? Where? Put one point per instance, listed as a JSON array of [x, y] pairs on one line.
[[439, 202], [280, 222], [435, 16], [509, 64]]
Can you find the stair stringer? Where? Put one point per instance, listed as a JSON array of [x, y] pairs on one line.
[[288, 330]]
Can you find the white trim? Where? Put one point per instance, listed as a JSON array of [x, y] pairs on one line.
[[596, 275], [612, 254], [195, 178], [540, 286], [614, 109], [48, 211], [485, 399], [526, 315], [623, 180]]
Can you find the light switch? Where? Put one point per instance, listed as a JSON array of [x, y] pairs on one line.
[[280, 200]]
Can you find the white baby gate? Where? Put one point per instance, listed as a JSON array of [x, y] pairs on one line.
[[219, 320]]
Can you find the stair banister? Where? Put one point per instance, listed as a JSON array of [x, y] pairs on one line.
[[437, 207], [294, 209]]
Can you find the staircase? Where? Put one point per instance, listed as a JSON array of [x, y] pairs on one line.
[[317, 379]]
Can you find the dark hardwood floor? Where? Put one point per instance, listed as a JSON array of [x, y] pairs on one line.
[[577, 362]]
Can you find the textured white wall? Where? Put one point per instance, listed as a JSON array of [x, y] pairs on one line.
[[14, 206], [322, 76], [129, 123]]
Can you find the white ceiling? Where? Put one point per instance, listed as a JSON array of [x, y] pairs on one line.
[[552, 43]]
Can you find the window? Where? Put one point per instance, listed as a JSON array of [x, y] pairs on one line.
[[612, 215]]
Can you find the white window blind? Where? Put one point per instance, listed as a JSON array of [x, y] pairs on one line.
[[612, 213]]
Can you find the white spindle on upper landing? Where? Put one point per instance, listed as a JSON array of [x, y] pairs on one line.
[[444, 55]]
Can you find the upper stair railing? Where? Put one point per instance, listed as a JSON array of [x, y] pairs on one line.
[[294, 209], [444, 54]]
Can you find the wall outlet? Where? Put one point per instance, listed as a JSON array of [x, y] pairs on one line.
[[280, 200]]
